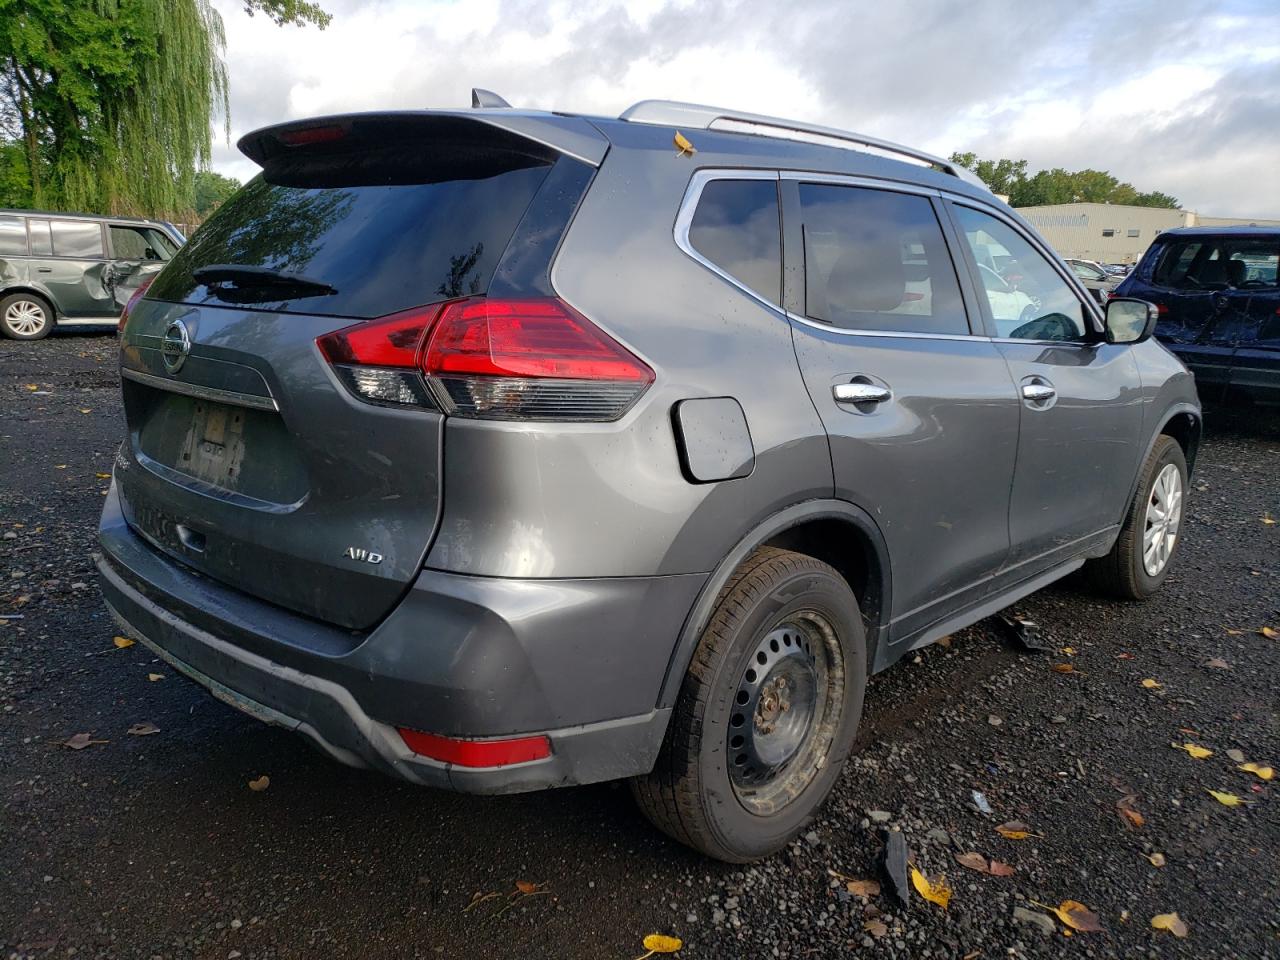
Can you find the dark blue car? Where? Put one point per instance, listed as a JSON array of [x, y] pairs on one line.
[[1218, 294]]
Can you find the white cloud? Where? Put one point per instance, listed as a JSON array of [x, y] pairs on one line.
[[1158, 92]]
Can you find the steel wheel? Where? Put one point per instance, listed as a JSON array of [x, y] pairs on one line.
[[785, 714], [1164, 516], [25, 317]]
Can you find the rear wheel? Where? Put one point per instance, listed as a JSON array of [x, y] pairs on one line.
[[1143, 554], [25, 316], [767, 713]]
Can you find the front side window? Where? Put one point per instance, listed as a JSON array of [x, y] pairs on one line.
[[736, 227], [1086, 272], [877, 260], [13, 237], [1028, 299], [76, 238]]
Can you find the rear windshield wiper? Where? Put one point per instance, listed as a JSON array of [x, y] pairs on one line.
[[261, 278]]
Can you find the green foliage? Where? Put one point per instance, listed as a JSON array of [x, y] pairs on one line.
[[112, 101], [15, 183], [211, 190], [1009, 177]]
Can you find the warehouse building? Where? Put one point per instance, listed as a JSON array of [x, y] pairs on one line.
[[1113, 233]]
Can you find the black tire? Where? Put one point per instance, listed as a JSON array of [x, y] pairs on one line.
[[31, 301], [1122, 572], [692, 794]]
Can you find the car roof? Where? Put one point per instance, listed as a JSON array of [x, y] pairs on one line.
[[1236, 231], [68, 215]]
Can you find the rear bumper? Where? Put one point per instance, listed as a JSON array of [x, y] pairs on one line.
[[581, 661]]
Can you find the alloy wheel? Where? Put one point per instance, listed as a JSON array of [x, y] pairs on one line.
[[25, 317], [1164, 516]]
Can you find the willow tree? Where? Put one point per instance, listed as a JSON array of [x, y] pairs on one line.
[[112, 102]]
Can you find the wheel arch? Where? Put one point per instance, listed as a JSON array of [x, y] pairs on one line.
[[31, 291], [834, 531]]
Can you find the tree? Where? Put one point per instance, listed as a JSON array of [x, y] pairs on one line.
[[211, 190], [1058, 185], [112, 100]]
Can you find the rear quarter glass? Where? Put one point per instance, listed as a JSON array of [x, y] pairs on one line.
[[386, 228]]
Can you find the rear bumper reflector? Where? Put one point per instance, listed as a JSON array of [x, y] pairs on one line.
[[476, 753]]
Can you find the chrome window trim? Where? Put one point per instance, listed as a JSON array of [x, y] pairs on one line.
[[202, 392], [849, 180]]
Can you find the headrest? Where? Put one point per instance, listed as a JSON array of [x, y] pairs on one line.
[[1237, 271], [869, 276]]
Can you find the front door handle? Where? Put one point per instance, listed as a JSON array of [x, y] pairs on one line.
[[860, 392], [1038, 392]]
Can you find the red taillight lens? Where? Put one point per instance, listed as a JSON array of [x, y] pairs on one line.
[[308, 135], [133, 299], [476, 753], [494, 359], [1162, 308]]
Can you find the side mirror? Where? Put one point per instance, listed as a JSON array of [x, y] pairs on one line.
[[1130, 321]]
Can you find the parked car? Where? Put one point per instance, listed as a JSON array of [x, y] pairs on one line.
[[59, 268], [500, 450], [1094, 277], [1218, 295]]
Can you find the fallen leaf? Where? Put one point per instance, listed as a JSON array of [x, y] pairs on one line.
[[877, 928], [1236, 755], [85, 410], [1171, 922], [944, 642], [1064, 668], [153, 677], [257, 786], [999, 869], [1151, 684], [525, 887], [863, 888], [1069, 651], [683, 147], [33, 386], [59, 466], [1075, 915], [1217, 663], [935, 890], [144, 729], [122, 642], [973, 861], [1014, 830], [1269, 633], [103, 476], [661, 943], [1157, 859], [1233, 633], [1124, 656], [81, 740], [1258, 770], [1228, 799], [1266, 518], [1197, 753], [1131, 816]]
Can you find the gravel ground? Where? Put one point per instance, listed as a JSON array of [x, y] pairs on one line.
[[154, 846]]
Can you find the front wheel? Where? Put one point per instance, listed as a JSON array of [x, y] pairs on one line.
[[24, 316], [1143, 554], [767, 713]]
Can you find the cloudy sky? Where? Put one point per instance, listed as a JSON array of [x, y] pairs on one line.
[[1171, 95]]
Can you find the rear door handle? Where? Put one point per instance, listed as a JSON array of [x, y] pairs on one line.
[[1038, 392], [44, 269], [860, 392]]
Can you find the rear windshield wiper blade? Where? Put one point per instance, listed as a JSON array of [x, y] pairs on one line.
[[260, 278]]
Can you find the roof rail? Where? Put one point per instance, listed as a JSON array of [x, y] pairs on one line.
[[673, 113]]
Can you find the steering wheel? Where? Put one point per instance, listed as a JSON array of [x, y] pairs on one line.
[[1051, 326]]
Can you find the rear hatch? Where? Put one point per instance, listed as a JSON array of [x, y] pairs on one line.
[[248, 459]]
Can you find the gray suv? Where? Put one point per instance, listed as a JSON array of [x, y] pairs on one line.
[[62, 268], [500, 450]]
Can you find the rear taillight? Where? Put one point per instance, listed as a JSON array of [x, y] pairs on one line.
[[133, 299], [536, 359], [1162, 308]]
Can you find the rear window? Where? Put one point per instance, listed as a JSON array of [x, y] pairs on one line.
[[1218, 263], [377, 230]]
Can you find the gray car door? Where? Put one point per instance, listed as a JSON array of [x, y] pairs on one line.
[[920, 412], [69, 260], [1081, 398]]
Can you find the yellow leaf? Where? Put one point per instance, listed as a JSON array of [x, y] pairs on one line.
[[1262, 773], [1199, 753], [1014, 830], [685, 148], [59, 466], [257, 786], [1171, 922], [661, 943], [1157, 859], [1151, 684], [103, 476], [122, 642], [153, 677], [33, 386], [1266, 518], [1227, 799], [1064, 668], [935, 891], [85, 410], [1269, 633], [1075, 915], [1069, 651]]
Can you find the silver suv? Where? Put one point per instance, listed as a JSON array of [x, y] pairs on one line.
[[501, 450]]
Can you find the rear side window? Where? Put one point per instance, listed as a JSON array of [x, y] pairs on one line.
[[736, 228], [877, 260], [376, 230], [76, 239], [13, 237], [41, 241]]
